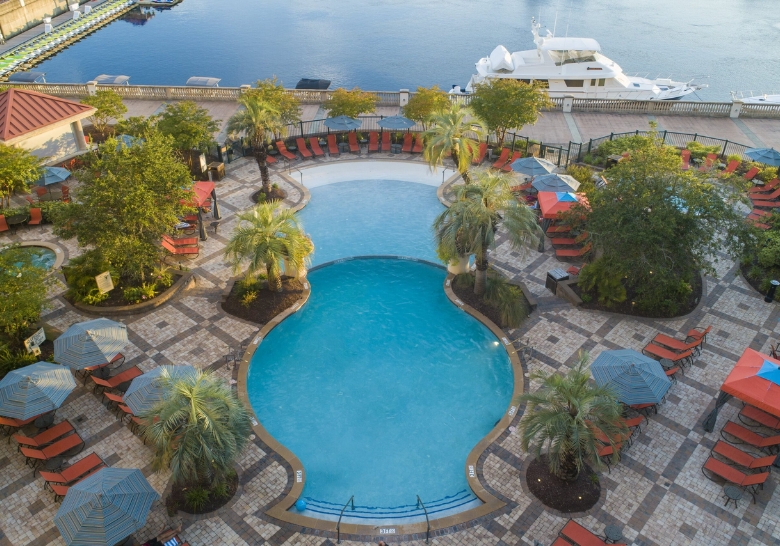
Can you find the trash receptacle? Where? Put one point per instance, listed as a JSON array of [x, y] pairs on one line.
[[553, 278], [217, 171]]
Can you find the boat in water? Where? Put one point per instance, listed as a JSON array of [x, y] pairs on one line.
[[771, 98], [572, 67]]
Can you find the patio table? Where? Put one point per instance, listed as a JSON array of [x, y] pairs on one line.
[[16, 219]]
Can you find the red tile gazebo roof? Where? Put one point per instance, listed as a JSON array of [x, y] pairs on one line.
[[23, 112]]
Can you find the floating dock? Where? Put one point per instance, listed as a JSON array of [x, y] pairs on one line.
[[43, 46], [158, 3]]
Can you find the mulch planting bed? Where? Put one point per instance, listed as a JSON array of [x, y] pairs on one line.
[[116, 298], [626, 308], [277, 194], [576, 496], [267, 305], [177, 499], [466, 295]]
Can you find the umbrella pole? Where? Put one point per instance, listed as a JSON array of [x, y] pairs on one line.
[[201, 227]]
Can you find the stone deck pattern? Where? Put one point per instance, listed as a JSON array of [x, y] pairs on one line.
[[657, 493]]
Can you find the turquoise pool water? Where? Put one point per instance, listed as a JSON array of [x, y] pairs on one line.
[[371, 218], [381, 387], [41, 257]]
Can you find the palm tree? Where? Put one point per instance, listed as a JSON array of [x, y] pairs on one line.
[[563, 416], [259, 121], [470, 224], [449, 134], [198, 430], [264, 237]]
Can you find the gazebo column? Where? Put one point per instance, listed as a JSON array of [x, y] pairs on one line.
[[215, 205], [201, 227], [78, 135]]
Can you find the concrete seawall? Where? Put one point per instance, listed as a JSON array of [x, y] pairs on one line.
[[19, 15]]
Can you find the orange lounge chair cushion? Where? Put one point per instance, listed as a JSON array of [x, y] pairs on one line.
[[47, 436], [57, 448]]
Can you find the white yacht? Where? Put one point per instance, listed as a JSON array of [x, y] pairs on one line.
[[572, 67], [771, 99]]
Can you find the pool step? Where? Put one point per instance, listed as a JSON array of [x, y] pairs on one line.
[[328, 510]]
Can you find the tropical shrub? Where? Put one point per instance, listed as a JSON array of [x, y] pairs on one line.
[[563, 416], [700, 151], [109, 106], [11, 360], [583, 175], [350, 103], [248, 297], [424, 103], [508, 299], [80, 276], [452, 132], [23, 288], [605, 280], [18, 170], [196, 498]]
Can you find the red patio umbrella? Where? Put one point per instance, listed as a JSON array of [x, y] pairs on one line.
[[202, 191], [756, 380], [553, 202]]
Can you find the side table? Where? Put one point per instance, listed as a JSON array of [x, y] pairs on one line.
[[732, 493]]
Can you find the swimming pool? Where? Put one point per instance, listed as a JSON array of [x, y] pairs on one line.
[[381, 387]]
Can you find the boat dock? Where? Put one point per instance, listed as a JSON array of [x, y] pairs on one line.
[[158, 3], [40, 46]]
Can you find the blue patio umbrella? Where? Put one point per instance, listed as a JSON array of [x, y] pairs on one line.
[[90, 343], [35, 389], [342, 123], [147, 390], [767, 156], [52, 175], [128, 141], [635, 378], [106, 507], [556, 183], [532, 166], [396, 123]]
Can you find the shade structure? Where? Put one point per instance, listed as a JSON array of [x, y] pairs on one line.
[[755, 379], [552, 203], [635, 378], [35, 389], [395, 123], [202, 191], [128, 141], [555, 183], [90, 343], [532, 166], [106, 507], [342, 123], [767, 156], [147, 390], [52, 175]]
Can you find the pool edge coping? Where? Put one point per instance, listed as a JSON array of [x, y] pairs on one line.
[[280, 510]]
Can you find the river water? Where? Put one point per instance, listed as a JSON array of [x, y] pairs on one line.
[[394, 44]]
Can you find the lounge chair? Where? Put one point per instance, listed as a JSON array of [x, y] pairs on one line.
[[46, 437], [662, 352], [644, 409], [767, 204], [765, 196], [407, 147], [574, 270], [124, 411], [508, 167], [51, 451], [35, 217], [685, 156], [373, 141], [283, 150], [418, 144], [756, 223], [708, 162], [60, 482], [676, 344], [579, 535], [569, 240], [114, 382], [672, 372], [699, 333], [40, 192], [769, 186], [572, 252], [181, 241], [480, 154], [118, 360], [113, 399], [750, 482], [605, 453], [315, 147], [3, 223], [752, 413], [65, 194], [751, 173], [333, 148], [730, 168], [745, 436], [561, 542], [354, 147], [269, 159], [385, 141], [502, 159], [302, 148], [741, 458], [192, 251], [60, 490], [557, 229]]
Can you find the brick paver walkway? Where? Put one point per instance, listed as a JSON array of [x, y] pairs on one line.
[[657, 494]]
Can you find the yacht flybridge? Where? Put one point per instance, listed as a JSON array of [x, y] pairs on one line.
[[572, 67]]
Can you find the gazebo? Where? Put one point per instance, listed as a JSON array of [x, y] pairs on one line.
[[48, 126], [202, 192]]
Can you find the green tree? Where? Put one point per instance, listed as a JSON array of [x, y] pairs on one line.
[[109, 106], [190, 126], [264, 237], [198, 430], [660, 226], [470, 224], [18, 169], [564, 415], [505, 103], [424, 103], [258, 121], [23, 295], [583, 175], [128, 198], [453, 132], [137, 126], [350, 103], [271, 91]]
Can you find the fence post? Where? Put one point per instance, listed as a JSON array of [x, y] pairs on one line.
[[664, 140], [301, 124], [91, 88], [725, 145], [695, 136], [610, 136], [514, 136], [568, 154], [403, 97]]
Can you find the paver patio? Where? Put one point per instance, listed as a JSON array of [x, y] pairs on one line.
[[657, 493]]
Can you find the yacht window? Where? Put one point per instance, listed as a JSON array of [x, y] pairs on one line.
[[574, 83], [571, 56], [636, 85], [601, 82]]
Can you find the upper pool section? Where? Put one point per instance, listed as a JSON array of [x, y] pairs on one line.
[[372, 208]]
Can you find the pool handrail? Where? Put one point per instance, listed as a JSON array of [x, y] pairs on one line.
[[338, 525], [427, 521]]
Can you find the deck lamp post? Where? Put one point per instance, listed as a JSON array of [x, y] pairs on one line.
[[770, 296]]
